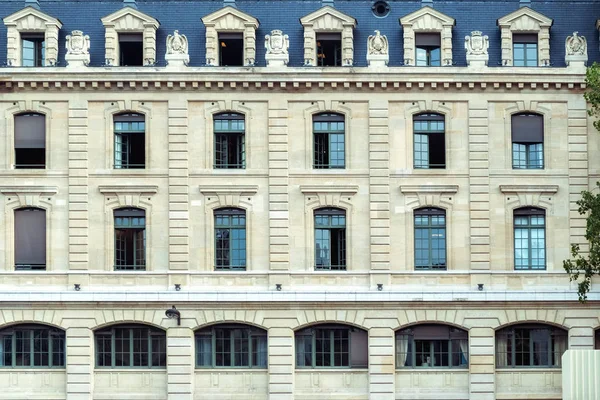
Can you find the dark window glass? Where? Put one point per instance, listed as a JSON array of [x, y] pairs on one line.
[[329, 49], [230, 238], [431, 346], [525, 50], [33, 48], [130, 239], [30, 141], [231, 346], [527, 141], [429, 141], [130, 141], [530, 346], [330, 239], [29, 346], [30, 239], [530, 238], [131, 347], [329, 141], [430, 238], [131, 49], [231, 49], [230, 147], [428, 49], [331, 346]]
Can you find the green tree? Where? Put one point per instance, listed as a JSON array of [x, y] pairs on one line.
[[584, 265]]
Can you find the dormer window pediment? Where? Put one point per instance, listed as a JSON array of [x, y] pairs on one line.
[[32, 38], [230, 37], [427, 38], [523, 23], [328, 38], [130, 38]]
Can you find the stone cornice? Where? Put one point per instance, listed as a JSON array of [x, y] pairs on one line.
[[228, 189], [529, 188], [429, 188], [46, 190], [347, 189], [109, 189]]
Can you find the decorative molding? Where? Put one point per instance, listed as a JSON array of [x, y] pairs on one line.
[[229, 19], [129, 20], [42, 190], [317, 189], [241, 190], [328, 19], [121, 189], [429, 188], [529, 195], [31, 20], [525, 20], [426, 19], [529, 188]]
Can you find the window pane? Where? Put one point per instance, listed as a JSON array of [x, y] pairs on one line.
[[204, 350]]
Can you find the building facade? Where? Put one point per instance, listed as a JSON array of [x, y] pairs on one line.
[[296, 199]]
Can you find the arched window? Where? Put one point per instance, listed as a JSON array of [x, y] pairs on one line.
[[28, 346], [329, 141], [231, 346], [330, 239], [527, 141], [130, 141], [530, 238], [429, 141], [230, 143], [230, 238], [530, 345], [431, 346], [130, 239], [30, 239], [331, 346], [30, 141], [430, 238], [135, 346]]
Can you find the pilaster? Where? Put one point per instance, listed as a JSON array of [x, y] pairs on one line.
[[382, 373], [78, 185], [481, 364], [80, 363], [179, 211], [180, 363], [281, 363]]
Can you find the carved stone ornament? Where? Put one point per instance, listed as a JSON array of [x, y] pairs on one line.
[[477, 46], [377, 50], [277, 45], [177, 50], [576, 50], [78, 49]]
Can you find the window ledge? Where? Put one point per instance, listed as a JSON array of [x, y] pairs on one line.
[[332, 370], [133, 370], [529, 369], [434, 370], [232, 369]]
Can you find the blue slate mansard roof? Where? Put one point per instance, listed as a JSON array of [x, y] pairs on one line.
[[185, 15]]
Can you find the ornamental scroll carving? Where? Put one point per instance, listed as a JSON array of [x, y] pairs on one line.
[[377, 44]]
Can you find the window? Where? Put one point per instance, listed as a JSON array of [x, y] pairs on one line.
[[230, 147], [430, 238], [428, 49], [330, 239], [530, 238], [30, 239], [530, 346], [133, 346], [429, 141], [328, 132], [130, 141], [231, 346], [231, 49], [329, 49], [432, 346], [525, 49], [31, 346], [30, 141], [380, 9], [331, 346], [130, 239], [230, 238], [131, 49], [527, 141], [34, 50]]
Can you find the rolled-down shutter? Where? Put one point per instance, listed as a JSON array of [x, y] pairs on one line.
[[30, 131], [527, 128], [30, 236], [428, 39]]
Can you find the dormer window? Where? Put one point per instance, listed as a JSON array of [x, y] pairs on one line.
[[525, 38], [329, 49], [34, 48], [231, 49], [428, 49], [525, 50], [131, 49]]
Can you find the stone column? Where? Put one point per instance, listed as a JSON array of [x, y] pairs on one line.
[[382, 373], [80, 363], [482, 384], [281, 363], [180, 363]]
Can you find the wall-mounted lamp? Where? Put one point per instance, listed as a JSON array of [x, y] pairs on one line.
[[480, 286], [178, 287], [380, 287], [174, 313], [77, 287], [278, 287]]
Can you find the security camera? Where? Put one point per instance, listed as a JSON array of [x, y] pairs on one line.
[[174, 313]]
